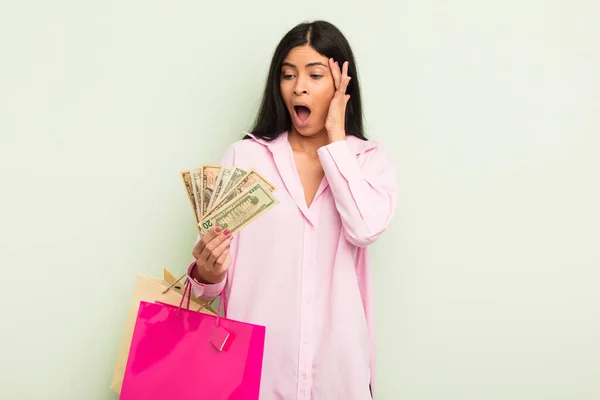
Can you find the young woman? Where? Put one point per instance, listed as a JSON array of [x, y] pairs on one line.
[[302, 268]]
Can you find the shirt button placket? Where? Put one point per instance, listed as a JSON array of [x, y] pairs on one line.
[[306, 319]]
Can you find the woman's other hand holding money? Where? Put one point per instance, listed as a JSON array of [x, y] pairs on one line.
[[212, 256]]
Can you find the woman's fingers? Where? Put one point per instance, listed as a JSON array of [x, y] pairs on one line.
[[345, 78], [199, 247], [340, 75], [212, 254], [222, 263], [344, 87], [219, 249], [213, 243], [335, 72]]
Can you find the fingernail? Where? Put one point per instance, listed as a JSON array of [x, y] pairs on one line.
[[226, 232], [218, 229]]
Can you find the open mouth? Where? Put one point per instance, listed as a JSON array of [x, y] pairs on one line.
[[302, 112]]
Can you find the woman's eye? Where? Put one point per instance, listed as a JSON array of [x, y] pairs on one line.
[[316, 76], [287, 76]]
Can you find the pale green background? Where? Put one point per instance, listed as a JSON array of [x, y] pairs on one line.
[[487, 282]]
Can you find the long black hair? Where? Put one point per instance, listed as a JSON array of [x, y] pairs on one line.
[[273, 117]]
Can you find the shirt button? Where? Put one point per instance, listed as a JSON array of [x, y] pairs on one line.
[[305, 341], [305, 377]]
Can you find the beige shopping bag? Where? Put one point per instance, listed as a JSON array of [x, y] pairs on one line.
[[148, 288]]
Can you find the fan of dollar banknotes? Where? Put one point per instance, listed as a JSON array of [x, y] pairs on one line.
[[228, 197]]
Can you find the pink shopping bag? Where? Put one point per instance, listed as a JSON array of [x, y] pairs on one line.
[[181, 354]]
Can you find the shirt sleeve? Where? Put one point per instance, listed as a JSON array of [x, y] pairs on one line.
[[203, 291], [208, 292], [364, 189]]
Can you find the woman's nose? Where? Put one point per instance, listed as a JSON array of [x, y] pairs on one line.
[[299, 88]]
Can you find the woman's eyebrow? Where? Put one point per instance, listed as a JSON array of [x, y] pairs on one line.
[[312, 64]]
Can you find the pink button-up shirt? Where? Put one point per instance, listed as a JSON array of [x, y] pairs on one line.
[[303, 272]]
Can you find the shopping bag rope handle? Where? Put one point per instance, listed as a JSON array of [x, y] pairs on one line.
[[174, 283], [188, 292]]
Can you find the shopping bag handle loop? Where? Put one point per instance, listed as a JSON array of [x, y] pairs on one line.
[[188, 292]]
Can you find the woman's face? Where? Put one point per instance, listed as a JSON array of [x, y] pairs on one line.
[[307, 89]]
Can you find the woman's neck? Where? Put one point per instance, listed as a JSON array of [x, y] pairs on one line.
[[308, 144]]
